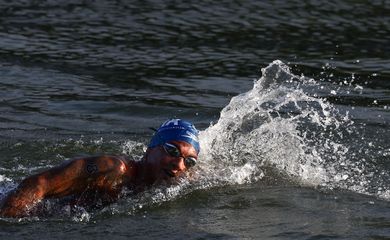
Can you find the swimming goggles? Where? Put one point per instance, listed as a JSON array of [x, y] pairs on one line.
[[173, 151]]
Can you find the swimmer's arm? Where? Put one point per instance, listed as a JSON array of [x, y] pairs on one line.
[[74, 177]]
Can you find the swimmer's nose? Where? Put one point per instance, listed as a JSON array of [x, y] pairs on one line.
[[178, 165]]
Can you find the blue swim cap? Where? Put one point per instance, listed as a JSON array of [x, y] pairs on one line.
[[176, 130]]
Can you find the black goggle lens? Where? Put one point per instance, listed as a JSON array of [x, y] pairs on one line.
[[189, 162], [172, 150]]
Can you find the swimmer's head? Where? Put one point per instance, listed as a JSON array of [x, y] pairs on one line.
[[176, 130]]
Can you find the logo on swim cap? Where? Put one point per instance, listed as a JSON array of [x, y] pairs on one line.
[[174, 122], [176, 130]]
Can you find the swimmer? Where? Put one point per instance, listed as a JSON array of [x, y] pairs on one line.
[[173, 149]]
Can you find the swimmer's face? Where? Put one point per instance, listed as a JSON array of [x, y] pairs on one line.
[[171, 160]]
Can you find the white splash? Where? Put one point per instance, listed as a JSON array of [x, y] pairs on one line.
[[5, 179], [278, 125]]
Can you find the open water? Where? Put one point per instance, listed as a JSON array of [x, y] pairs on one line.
[[292, 99]]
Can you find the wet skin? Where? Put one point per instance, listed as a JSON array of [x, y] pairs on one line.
[[103, 177]]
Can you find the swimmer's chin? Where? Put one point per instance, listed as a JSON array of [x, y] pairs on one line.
[[169, 178]]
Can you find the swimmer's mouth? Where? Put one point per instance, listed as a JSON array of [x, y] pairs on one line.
[[169, 173]]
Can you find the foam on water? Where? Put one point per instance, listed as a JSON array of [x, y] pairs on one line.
[[277, 124]]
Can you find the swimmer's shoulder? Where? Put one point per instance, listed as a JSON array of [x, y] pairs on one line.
[[104, 164]]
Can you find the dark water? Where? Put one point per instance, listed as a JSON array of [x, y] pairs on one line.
[[302, 153]]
